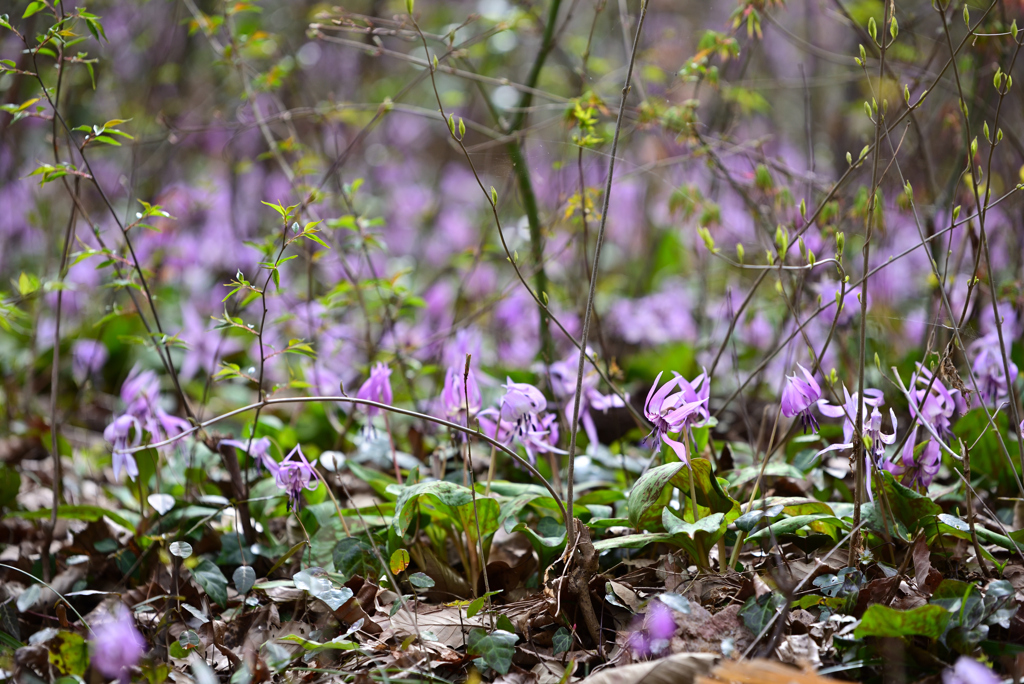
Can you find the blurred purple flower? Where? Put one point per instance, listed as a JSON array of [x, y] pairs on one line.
[[669, 412], [87, 358], [563, 386], [969, 671], [141, 396], [295, 474], [117, 645], [205, 347], [453, 396], [259, 452], [798, 397], [652, 635], [376, 388], [118, 433], [915, 473], [988, 369], [877, 439], [541, 437]]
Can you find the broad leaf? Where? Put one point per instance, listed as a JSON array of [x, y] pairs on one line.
[[212, 580], [496, 649], [883, 621]]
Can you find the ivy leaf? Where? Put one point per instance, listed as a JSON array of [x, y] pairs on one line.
[[212, 580], [244, 577], [561, 641], [496, 649], [758, 612]]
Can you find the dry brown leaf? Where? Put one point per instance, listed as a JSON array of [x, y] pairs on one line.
[[681, 668], [761, 672], [448, 623]]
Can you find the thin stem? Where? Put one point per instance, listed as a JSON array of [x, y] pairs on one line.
[[575, 424]]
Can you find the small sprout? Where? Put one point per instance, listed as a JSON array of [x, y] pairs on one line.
[[409, 6], [451, 123], [878, 362], [963, 108], [781, 239], [956, 212], [740, 252], [967, 17], [1013, 29], [811, 259], [906, 93], [872, 29], [839, 300], [770, 257], [849, 158], [863, 55], [494, 196], [997, 78], [462, 128], [435, 62], [864, 152], [984, 129], [778, 287], [840, 244], [709, 241], [867, 109], [974, 146], [894, 28], [803, 209], [295, 227], [999, 135], [802, 246]]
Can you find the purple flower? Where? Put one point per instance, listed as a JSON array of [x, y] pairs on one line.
[[988, 369], [294, 475], [936, 406], [117, 645], [259, 451], [541, 437], [872, 427], [205, 347], [798, 397], [563, 385], [521, 401], [453, 396], [969, 671], [668, 412], [915, 473], [376, 388], [87, 358], [118, 434], [653, 634]]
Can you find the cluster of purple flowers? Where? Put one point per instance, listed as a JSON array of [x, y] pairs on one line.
[[677, 411], [143, 413], [563, 386], [522, 416], [117, 645]]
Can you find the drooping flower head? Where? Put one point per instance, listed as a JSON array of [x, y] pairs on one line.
[[141, 396], [935, 406], [671, 412], [915, 472], [652, 635], [259, 451], [988, 369], [457, 385], [294, 474], [124, 433], [376, 388], [872, 422], [521, 402], [117, 645], [87, 358], [799, 396]]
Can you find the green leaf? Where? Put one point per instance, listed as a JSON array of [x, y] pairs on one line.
[[69, 653], [339, 644], [354, 557], [399, 561], [87, 513], [633, 541], [421, 580], [790, 525], [496, 648], [908, 506], [33, 7], [212, 580], [447, 502], [882, 621], [696, 538], [648, 496], [244, 577], [10, 484], [758, 612], [561, 641]]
